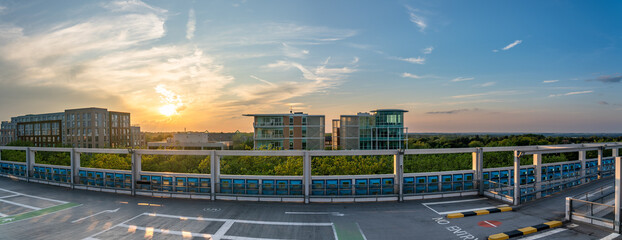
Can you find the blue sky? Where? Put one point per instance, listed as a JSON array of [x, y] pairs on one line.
[[456, 66]]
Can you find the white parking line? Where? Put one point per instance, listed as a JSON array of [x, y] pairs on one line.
[[361, 231], [457, 201], [166, 231], [42, 198], [105, 211], [545, 234], [223, 229], [317, 213], [3, 215], [490, 223], [14, 195], [319, 224], [610, 236], [19, 204]]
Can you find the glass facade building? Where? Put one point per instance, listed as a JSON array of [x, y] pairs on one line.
[[380, 129]]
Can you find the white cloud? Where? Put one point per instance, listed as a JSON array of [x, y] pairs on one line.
[[570, 93], [410, 75], [355, 60], [416, 19], [417, 60], [511, 45], [2, 8], [428, 50], [460, 79], [550, 81], [132, 6], [493, 93], [488, 84], [495, 50], [262, 80], [293, 52], [191, 25]]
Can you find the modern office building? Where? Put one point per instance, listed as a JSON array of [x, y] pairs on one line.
[[190, 141], [380, 129], [137, 137], [288, 131], [84, 127], [7, 133]]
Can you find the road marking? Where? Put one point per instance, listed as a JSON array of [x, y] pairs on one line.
[[19, 204], [42, 198], [431, 209], [319, 224], [545, 234], [468, 210], [610, 236], [105, 211], [317, 213], [335, 232], [14, 195], [222, 230], [490, 224], [3, 215], [92, 237], [361, 230], [457, 201], [38, 213], [159, 230]]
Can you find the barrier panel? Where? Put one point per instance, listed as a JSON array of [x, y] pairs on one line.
[[302, 183]]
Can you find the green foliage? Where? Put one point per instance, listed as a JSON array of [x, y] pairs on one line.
[[352, 165], [107, 161], [437, 162], [176, 163], [261, 165]]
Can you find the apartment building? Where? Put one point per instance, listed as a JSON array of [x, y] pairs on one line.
[[7, 133], [380, 129], [291, 131], [83, 127], [137, 137]]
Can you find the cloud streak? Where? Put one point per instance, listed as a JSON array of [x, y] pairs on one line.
[[417, 60], [461, 79], [453, 111], [410, 75], [511, 45], [550, 81], [571, 93], [428, 50], [416, 19], [191, 25], [608, 79]]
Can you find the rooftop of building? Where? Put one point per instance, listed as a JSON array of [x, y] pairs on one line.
[[281, 114], [389, 110]]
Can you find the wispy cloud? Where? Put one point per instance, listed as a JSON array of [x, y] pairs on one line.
[[410, 75], [608, 79], [416, 19], [493, 93], [293, 52], [262, 80], [2, 8], [355, 60], [460, 79], [550, 81], [428, 50], [191, 25], [511, 45], [603, 103], [417, 60], [453, 111], [487, 84], [570, 93]]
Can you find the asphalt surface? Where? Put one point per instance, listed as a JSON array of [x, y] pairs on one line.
[[39, 211]]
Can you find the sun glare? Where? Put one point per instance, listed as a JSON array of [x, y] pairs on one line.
[[168, 110]]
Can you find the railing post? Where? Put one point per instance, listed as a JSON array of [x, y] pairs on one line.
[[582, 159], [136, 169], [306, 172], [517, 156], [215, 174], [75, 166], [398, 172], [618, 194], [614, 152], [478, 167], [537, 163], [600, 161], [30, 161]]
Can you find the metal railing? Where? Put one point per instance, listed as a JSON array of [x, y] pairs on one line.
[[533, 181]]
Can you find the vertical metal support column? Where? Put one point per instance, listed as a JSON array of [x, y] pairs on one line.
[[75, 167], [478, 167], [30, 161], [614, 152], [568, 209], [136, 169], [583, 166], [306, 172], [398, 172], [618, 194], [517, 156], [600, 161], [537, 163], [215, 174]]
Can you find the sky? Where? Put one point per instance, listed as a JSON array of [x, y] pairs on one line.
[[456, 66]]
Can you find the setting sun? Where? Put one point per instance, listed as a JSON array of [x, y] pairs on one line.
[[168, 110]]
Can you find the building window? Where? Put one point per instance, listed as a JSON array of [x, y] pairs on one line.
[[291, 144], [291, 132], [291, 120]]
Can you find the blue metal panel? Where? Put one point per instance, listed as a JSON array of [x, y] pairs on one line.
[[110, 180], [252, 186], [468, 185], [361, 187], [239, 186], [523, 172], [318, 187], [144, 178], [128, 181], [388, 186], [446, 178], [468, 177], [486, 175], [281, 187], [457, 177], [35, 174], [226, 186], [295, 187], [193, 184], [205, 185], [99, 179], [167, 184], [494, 176], [91, 177], [56, 175], [156, 183], [49, 173], [432, 183], [63, 175], [180, 184], [83, 177], [375, 186], [504, 173], [409, 185], [331, 187]]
